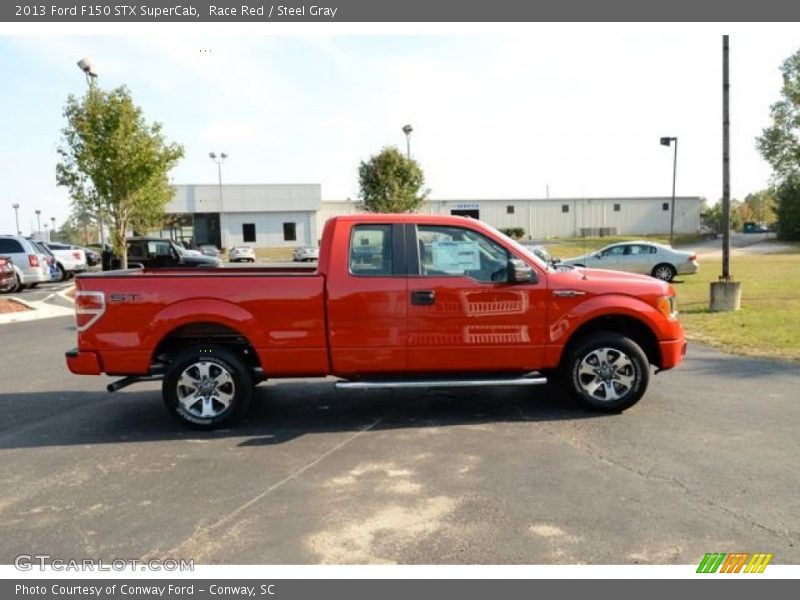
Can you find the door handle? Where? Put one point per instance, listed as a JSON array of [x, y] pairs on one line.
[[423, 297]]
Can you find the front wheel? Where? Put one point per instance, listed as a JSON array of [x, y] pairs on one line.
[[207, 387], [607, 371]]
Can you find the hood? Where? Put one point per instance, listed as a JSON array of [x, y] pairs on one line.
[[200, 260], [606, 281]]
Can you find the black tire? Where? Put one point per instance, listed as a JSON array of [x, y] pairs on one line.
[[63, 273], [664, 272], [627, 372], [189, 366], [31, 285]]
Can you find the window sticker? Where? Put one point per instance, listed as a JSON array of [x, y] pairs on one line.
[[456, 256]]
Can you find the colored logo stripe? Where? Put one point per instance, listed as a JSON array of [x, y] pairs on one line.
[[733, 563]]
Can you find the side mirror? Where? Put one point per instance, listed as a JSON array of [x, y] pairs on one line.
[[520, 272]]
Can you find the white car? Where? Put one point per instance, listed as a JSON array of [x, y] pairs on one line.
[[70, 260], [30, 266], [305, 254], [242, 253], [647, 258]]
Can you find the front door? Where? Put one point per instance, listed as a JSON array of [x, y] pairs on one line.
[[464, 316]]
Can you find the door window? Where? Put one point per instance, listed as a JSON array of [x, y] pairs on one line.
[[614, 251], [637, 250], [457, 251], [371, 250]]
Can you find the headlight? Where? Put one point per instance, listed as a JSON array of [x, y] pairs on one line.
[[668, 306]]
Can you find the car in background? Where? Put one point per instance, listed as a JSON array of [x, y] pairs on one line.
[[305, 254], [30, 267], [49, 259], [160, 253], [540, 252], [646, 258], [8, 279], [70, 260], [209, 250], [93, 257], [242, 253]]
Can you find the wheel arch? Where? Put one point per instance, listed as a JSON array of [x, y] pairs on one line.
[[631, 327]]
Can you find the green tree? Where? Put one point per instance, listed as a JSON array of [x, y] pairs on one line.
[[787, 196], [391, 183], [114, 163], [779, 143], [712, 216], [762, 206]]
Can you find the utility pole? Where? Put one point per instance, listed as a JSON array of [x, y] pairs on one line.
[[726, 294], [726, 164]]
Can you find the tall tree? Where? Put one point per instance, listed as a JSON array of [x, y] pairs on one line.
[[389, 182], [787, 197], [779, 143], [762, 206], [114, 163]]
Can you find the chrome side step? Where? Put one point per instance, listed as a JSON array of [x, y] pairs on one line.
[[439, 383]]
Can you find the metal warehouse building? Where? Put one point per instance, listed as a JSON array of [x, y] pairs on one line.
[[563, 217], [290, 215], [261, 215]]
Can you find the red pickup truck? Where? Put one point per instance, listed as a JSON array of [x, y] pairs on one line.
[[396, 301]]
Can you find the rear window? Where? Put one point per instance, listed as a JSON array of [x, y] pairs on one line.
[[371, 250], [10, 246]]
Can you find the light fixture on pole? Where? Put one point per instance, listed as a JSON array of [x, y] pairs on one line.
[[407, 129], [38, 222], [666, 141], [219, 160], [15, 206], [88, 69]]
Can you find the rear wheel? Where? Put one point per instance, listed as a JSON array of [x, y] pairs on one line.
[[63, 275], [207, 387], [607, 371], [664, 272]]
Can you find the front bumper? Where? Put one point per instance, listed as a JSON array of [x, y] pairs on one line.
[[672, 353], [83, 363]]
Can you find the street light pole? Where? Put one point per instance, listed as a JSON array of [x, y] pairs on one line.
[[88, 69], [407, 129], [219, 160], [15, 206], [666, 141], [53, 230], [38, 223]]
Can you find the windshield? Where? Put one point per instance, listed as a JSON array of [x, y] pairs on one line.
[[519, 247]]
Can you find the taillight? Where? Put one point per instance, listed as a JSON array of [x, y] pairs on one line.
[[33, 260], [693, 258], [76, 255], [89, 306]]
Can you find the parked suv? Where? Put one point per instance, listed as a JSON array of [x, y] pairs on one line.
[[159, 253], [29, 267]]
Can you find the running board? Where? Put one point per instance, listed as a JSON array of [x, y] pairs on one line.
[[438, 383]]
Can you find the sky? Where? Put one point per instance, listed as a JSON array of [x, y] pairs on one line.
[[502, 112]]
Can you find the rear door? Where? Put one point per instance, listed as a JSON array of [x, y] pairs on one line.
[[463, 315], [638, 258], [368, 300]]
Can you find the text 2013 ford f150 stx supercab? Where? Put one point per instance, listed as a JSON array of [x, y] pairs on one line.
[[396, 301]]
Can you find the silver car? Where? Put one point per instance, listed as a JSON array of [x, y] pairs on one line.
[[30, 265], [305, 254], [242, 253], [646, 258]]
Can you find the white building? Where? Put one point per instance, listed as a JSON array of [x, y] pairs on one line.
[[562, 217], [260, 215], [290, 215]]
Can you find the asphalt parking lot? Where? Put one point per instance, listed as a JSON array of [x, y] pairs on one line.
[[707, 462]]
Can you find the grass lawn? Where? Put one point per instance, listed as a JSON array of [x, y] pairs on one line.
[[768, 323]]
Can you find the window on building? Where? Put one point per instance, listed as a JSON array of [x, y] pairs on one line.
[[509, 210], [249, 232], [565, 208], [371, 250], [617, 208], [665, 206], [290, 232]]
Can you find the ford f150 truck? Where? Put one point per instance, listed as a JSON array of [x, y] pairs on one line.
[[396, 301]]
